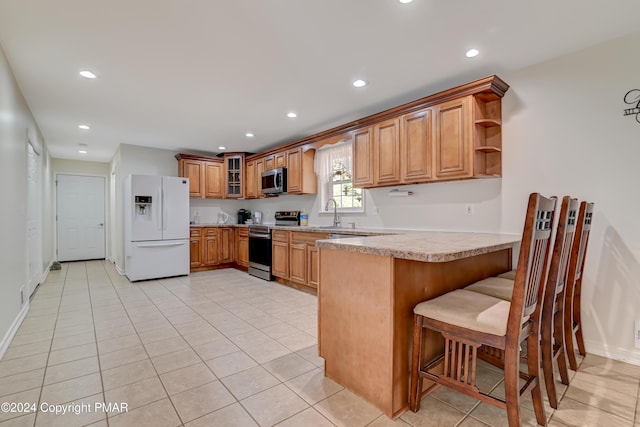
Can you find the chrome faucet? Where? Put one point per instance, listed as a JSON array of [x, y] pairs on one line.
[[336, 219]]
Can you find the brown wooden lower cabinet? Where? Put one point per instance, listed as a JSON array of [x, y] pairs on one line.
[[242, 247], [280, 254], [295, 258], [313, 265], [304, 260], [195, 246], [298, 262], [211, 247], [225, 245]]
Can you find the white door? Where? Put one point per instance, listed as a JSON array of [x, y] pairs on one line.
[[34, 218], [80, 217], [175, 208]]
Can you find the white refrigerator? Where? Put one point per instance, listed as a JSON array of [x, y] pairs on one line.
[[156, 227]]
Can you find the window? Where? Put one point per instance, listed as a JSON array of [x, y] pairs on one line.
[[333, 166]]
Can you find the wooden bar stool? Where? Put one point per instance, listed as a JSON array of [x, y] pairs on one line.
[[572, 321], [474, 324], [551, 295]]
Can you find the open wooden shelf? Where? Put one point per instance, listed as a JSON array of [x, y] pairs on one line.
[[487, 123], [488, 149]]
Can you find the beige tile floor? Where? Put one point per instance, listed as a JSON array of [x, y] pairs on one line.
[[223, 348]]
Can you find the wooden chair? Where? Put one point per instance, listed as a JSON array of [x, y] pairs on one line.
[[469, 321], [572, 321], [552, 324], [552, 297]]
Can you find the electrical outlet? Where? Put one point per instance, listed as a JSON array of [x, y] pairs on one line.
[[469, 209], [636, 334]]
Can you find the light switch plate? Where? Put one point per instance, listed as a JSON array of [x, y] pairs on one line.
[[636, 334]]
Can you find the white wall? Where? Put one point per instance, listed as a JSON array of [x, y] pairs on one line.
[[15, 120], [565, 133]]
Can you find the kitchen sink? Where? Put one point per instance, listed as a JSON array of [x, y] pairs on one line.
[[344, 235]]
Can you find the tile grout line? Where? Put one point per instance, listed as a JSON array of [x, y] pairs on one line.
[[46, 366]]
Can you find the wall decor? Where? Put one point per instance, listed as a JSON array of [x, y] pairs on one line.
[[633, 97]]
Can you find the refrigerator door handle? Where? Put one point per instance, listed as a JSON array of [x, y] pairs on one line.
[[160, 210], [159, 244], [165, 210]]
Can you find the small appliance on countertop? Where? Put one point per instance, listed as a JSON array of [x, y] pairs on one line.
[[223, 217], [243, 216], [288, 218], [257, 217]]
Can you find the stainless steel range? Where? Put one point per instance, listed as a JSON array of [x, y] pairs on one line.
[[260, 251], [260, 244]]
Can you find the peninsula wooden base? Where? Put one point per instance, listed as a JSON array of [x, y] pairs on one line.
[[366, 316]]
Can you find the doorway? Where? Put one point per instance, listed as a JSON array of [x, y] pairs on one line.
[[80, 214]]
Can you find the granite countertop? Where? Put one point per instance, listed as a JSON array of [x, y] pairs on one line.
[[427, 246], [417, 245]]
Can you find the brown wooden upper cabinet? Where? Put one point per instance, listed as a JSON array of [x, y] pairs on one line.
[[253, 178], [205, 175], [280, 160], [452, 143], [194, 170], [251, 183], [363, 157], [301, 177], [214, 180], [416, 161], [234, 176], [456, 139], [269, 163], [386, 146]]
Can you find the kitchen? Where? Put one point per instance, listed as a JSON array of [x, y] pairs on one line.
[[569, 109]]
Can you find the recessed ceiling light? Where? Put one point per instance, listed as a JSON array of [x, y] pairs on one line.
[[249, 135], [83, 148], [472, 52], [405, 1], [292, 115], [222, 148], [82, 151], [359, 83], [87, 74], [84, 127]]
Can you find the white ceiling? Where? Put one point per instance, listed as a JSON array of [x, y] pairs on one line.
[[190, 75]]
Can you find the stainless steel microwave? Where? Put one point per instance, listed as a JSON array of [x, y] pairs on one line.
[[274, 181]]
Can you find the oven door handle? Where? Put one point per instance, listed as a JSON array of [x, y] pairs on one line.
[[260, 236]]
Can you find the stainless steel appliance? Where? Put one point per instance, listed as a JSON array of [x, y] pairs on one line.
[[274, 181], [260, 251], [290, 218], [260, 243]]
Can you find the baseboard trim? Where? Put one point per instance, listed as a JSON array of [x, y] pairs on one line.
[[45, 273], [4, 344], [118, 269], [616, 353]]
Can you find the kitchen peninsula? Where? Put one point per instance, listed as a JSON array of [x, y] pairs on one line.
[[368, 288]]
